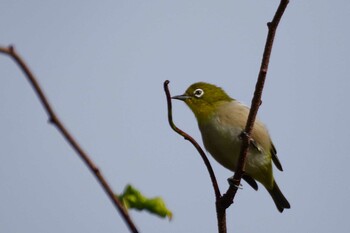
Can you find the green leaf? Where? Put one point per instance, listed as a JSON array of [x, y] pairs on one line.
[[133, 199]]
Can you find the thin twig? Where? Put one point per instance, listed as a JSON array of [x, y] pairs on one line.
[[221, 215], [189, 138], [56, 121], [256, 102]]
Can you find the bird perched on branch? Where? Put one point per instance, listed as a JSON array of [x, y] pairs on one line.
[[221, 120]]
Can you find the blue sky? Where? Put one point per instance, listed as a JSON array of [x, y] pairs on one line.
[[102, 66]]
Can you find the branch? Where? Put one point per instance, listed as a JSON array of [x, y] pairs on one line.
[[256, 102], [10, 51], [221, 215], [190, 139]]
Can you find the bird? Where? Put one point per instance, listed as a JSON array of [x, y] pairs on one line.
[[221, 121]]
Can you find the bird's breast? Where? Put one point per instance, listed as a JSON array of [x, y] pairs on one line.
[[221, 141]]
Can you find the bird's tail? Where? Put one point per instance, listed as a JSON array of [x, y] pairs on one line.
[[280, 201]]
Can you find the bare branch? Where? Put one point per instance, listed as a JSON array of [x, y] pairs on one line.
[[10, 51], [221, 215], [222, 203], [256, 102], [194, 143]]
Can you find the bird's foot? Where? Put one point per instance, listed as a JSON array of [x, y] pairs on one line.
[[232, 182]]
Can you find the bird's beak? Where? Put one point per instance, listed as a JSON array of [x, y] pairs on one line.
[[181, 97]]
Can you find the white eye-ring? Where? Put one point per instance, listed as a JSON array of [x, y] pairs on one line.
[[198, 93]]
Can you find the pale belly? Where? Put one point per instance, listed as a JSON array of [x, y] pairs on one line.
[[224, 144]]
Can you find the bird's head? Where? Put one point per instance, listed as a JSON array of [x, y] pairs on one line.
[[203, 98]]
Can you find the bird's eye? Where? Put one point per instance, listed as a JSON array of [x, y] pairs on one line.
[[198, 93]]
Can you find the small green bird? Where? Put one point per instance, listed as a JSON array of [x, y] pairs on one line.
[[221, 120]]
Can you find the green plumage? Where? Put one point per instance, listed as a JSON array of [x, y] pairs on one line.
[[221, 119]]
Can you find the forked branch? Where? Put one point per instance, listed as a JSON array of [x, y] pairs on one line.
[[222, 203]]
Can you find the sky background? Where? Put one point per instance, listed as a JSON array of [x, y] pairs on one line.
[[103, 64]]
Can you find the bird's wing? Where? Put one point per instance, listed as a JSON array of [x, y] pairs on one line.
[[275, 159], [250, 181]]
